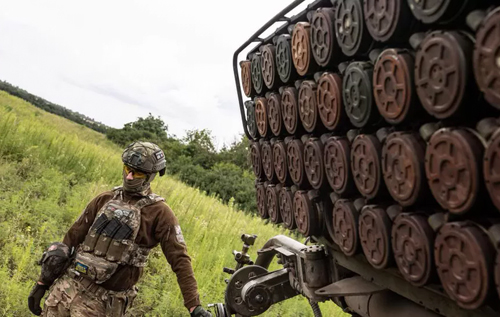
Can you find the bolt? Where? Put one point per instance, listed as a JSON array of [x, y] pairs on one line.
[[347, 23], [238, 284], [259, 298]]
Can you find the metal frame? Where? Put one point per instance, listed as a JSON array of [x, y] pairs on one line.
[[425, 296], [255, 38]]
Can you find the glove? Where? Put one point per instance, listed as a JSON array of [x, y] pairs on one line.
[[200, 312], [35, 298]]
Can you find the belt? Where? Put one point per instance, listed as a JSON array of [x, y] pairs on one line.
[[88, 285], [116, 302]]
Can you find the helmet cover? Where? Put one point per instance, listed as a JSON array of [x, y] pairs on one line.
[[146, 157]]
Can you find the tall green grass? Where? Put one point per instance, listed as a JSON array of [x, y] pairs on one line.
[[50, 168]]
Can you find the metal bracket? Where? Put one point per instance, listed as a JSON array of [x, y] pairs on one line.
[[284, 251], [352, 286]]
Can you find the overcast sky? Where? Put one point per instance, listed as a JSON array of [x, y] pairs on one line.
[[115, 61]]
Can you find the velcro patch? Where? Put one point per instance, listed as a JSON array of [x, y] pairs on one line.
[[82, 268], [178, 234], [122, 213], [159, 155]]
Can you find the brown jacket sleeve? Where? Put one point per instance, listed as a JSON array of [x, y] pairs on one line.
[[76, 234], [175, 250]]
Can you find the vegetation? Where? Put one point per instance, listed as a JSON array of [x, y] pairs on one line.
[[52, 107], [50, 168], [195, 161], [193, 158]]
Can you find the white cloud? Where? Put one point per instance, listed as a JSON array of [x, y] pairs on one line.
[[117, 60]]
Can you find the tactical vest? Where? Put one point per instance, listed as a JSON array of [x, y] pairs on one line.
[[110, 241]]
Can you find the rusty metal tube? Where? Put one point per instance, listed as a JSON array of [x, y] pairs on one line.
[[264, 259], [386, 304]]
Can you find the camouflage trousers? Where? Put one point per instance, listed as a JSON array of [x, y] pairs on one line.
[[69, 297]]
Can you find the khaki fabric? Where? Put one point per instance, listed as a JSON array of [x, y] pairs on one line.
[[144, 156], [159, 226], [67, 298]]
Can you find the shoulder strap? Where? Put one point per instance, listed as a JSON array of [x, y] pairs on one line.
[[148, 200], [118, 190]]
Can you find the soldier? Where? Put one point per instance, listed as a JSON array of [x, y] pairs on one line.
[[94, 271]]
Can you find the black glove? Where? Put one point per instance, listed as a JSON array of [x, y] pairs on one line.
[[200, 312], [35, 298]]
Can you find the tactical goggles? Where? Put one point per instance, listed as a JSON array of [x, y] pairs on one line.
[[134, 172]]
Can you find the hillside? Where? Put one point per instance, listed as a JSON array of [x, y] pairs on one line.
[[51, 167], [51, 107]]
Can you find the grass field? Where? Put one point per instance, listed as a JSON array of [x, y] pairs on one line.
[[50, 168]]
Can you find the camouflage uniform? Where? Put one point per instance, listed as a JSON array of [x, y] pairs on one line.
[[68, 298]]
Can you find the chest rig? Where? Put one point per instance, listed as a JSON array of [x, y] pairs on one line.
[[110, 241]]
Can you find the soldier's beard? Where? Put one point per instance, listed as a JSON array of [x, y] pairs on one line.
[[137, 185]]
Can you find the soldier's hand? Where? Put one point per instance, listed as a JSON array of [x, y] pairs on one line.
[[35, 298], [200, 312]]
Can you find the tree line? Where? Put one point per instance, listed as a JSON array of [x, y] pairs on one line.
[[52, 107]]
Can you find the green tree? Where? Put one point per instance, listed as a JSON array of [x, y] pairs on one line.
[[237, 153], [200, 147], [150, 124], [151, 129], [173, 149]]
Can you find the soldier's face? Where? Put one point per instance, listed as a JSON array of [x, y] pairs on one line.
[[132, 183], [133, 173], [135, 181]]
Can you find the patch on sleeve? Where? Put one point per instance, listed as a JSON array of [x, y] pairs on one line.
[[178, 234]]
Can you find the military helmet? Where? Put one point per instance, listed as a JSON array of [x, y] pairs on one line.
[[146, 157]]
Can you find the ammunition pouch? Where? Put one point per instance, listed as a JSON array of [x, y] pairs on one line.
[[95, 268], [100, 269], [119, 302], [55, 260], [116, 249]]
